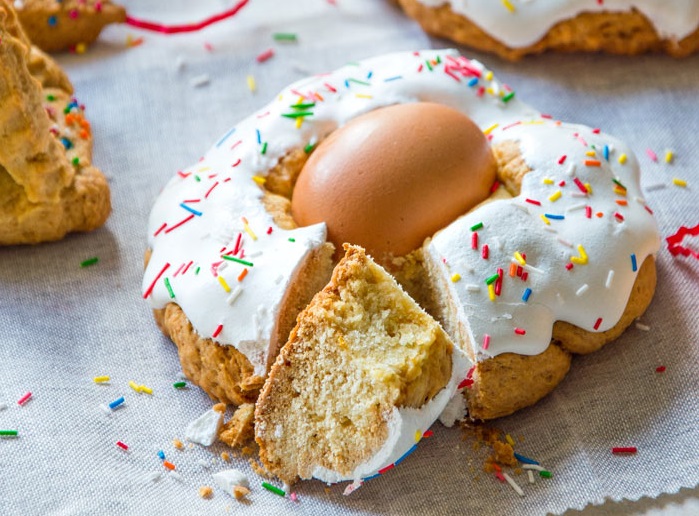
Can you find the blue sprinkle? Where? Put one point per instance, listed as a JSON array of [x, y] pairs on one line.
[[554, 217], [606, 152], [394, 78], [634, 265], [190, 210], [525, 460], [161, 454], [114, 404], [259, 136], [347, 83], [473, 82], [67, 143], [225, 137], [52, 21], [372, 476], [368, 76], [411, 450], [527, 293]]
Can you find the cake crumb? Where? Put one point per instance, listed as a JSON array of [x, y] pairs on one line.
[[206, 492], [220, 407], [225, 456], [260, 469], [178, 444], [239, 430], [247, 451], [240, 492]]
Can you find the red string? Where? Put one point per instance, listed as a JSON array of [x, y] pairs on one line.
[[174, 29]]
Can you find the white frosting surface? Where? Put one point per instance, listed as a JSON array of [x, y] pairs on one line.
[[222, 190], [525, 22], [229, 478]]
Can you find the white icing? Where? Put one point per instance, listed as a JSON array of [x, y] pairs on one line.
[[248, 319], [205, 428], [229, 478], [530, 20]]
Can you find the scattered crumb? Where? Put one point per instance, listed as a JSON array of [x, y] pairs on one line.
[[220, 407], [178, 444], [326, 489], [225, 456], [206, 492], [239, 429], [260, 469], [240, 492], [247, 451]]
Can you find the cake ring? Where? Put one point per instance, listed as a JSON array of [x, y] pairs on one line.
[[551, 254], [513, 29]]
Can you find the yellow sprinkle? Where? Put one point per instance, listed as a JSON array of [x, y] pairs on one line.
[[145, 389], [555, 196], [588, 187], [100, 379], [582, 259], [259, 180], [134, 386], [679, 182], [669, 156], [620, 191], [548, 181], [418, 436], [545, 219], [491, 292], [203, 169], [490, 129], [622, 159], [508, 5], [520, 258], [534, 122], [224, 284], [177, 444], [590, 153], [363, 96], [456, 277], [251, 83], [80, 48], [250, 232], [490, 91], [509, 440], [489, 75], [298, 122]]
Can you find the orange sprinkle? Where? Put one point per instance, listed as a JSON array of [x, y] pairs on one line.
[[84, 134], [169, 465], [620, 202], [513, 269], [592, 163], [242, 275]]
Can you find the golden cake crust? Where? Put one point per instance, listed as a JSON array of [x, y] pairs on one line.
[[47, 188], [628, 33]]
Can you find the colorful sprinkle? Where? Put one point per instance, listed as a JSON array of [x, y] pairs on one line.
[[273, 489], [116, 403], [101, 379], [179, 385], [525, 460], [122, 445], [624, 449]]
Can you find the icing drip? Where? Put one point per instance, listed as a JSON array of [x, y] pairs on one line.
[[526, 22]]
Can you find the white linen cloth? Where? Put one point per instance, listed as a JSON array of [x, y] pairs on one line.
[[158, 107]]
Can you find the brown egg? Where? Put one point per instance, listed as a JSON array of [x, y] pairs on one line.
[[392, 177]]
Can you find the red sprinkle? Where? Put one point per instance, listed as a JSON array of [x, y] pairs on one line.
[[486, 341], [624, 449], [24, 399], [660, 369], [562, 159], [149, 291], [122, 445], [387, 468], [495, 186], [428, 433], [569, 266], [474, 240], [532, 201], [597, 323], [520, 331], [264, 56], [466, 382], [484, 251], [217, 331]]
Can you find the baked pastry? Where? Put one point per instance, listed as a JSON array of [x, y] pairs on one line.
[[55, 25], [48, 186], [364, 374], [229, 270], [514, 29]]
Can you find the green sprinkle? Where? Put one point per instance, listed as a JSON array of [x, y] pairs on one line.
[[617, 182], [476, 227], [305, 105], [292, 240], [264, 148], [196, 271], [492, 279], [197, 178], [274, 489], [545, 474], [284, 36], [236, 260], [8, 432], [50, 98], [309, 147], [429, 66], [298, 115], [76, 161], [169, 288], [508, 97], [363, 83], [179, 385], [66, 109], [89, 261], [439, 60]]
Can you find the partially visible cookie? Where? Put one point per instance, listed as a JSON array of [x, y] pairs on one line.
[[48, 186], [56, 25], [513, 30]]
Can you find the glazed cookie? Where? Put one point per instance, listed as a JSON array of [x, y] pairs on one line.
[[397, 152], [48, 186], [62, 25], [513, 29]]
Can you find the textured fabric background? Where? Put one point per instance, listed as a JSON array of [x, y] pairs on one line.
[[61, 325]]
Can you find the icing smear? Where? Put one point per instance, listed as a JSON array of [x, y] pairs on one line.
[[527, 21]]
